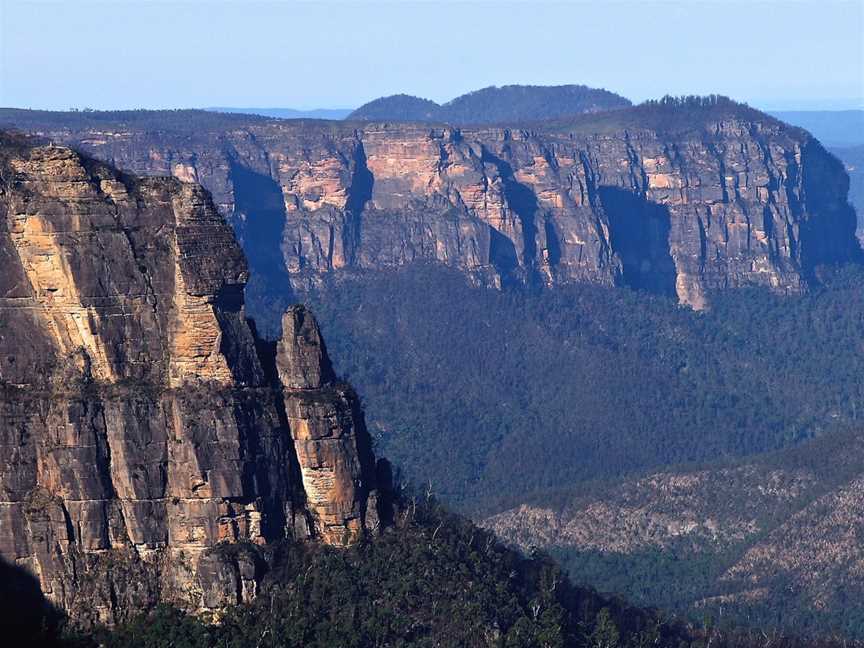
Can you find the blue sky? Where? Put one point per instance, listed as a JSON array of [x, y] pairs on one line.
[[152, 54]]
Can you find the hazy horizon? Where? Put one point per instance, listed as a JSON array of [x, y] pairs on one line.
[[822, 105], [815, 105], [338, 55]]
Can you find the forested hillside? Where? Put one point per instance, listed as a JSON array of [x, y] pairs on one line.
[[492, 396], [511, 103], [434, 580], [772, 539], [587, 400]]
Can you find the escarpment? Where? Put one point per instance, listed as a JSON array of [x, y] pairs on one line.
[[675, 199], [142, 428]]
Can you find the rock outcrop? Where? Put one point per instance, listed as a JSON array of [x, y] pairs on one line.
[[146, 448], [676, 198], [329, 433]]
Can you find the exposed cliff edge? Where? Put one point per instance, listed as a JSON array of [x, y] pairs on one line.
[[680, 198], [142, 424]]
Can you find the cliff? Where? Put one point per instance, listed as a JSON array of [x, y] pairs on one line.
[[678, 198], [326, 422], [143, 427]]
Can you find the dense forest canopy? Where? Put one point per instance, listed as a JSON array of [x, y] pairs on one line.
[[494, 399], [492, 396], [432, 580], [492, 105]]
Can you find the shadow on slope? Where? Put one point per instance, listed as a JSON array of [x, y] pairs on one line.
[[25, 614], [259, 223], [640, 236]]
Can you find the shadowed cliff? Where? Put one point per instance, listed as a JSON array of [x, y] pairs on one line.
[[700, 194], [25, 615]]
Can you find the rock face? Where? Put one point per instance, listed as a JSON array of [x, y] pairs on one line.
[[329, 433], [301, 358], [140, 430], [676, 199]]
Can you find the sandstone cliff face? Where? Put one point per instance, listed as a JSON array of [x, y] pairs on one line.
[[328, 431], [140, 431], [738, 200]]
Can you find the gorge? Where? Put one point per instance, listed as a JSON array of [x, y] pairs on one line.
[[504, 299]]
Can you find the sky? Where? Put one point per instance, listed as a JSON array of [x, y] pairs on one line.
[[774, 54]]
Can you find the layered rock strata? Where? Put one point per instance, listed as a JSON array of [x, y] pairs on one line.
[[142, 427], [677, 200], [324, 416]]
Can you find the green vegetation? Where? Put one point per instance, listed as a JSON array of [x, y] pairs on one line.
[[687, 578], [503, 398], [434, 580], [567, 109], [687, 575], [399, 107], [494, 105], [180, 121], [521, 103], [495, 396], [668, 115]]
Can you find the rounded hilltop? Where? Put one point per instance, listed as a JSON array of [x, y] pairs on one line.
[[511, 103]]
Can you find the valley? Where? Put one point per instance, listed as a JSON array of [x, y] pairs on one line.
[[462, 324], [629, 338]]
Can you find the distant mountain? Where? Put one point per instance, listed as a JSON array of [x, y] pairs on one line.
[[554, 207], [288, 113], [513, 103], [524, 103], [399, 107], [831, 127]]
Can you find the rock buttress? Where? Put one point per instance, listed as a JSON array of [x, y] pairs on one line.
[[139, 433], [330, 438]]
